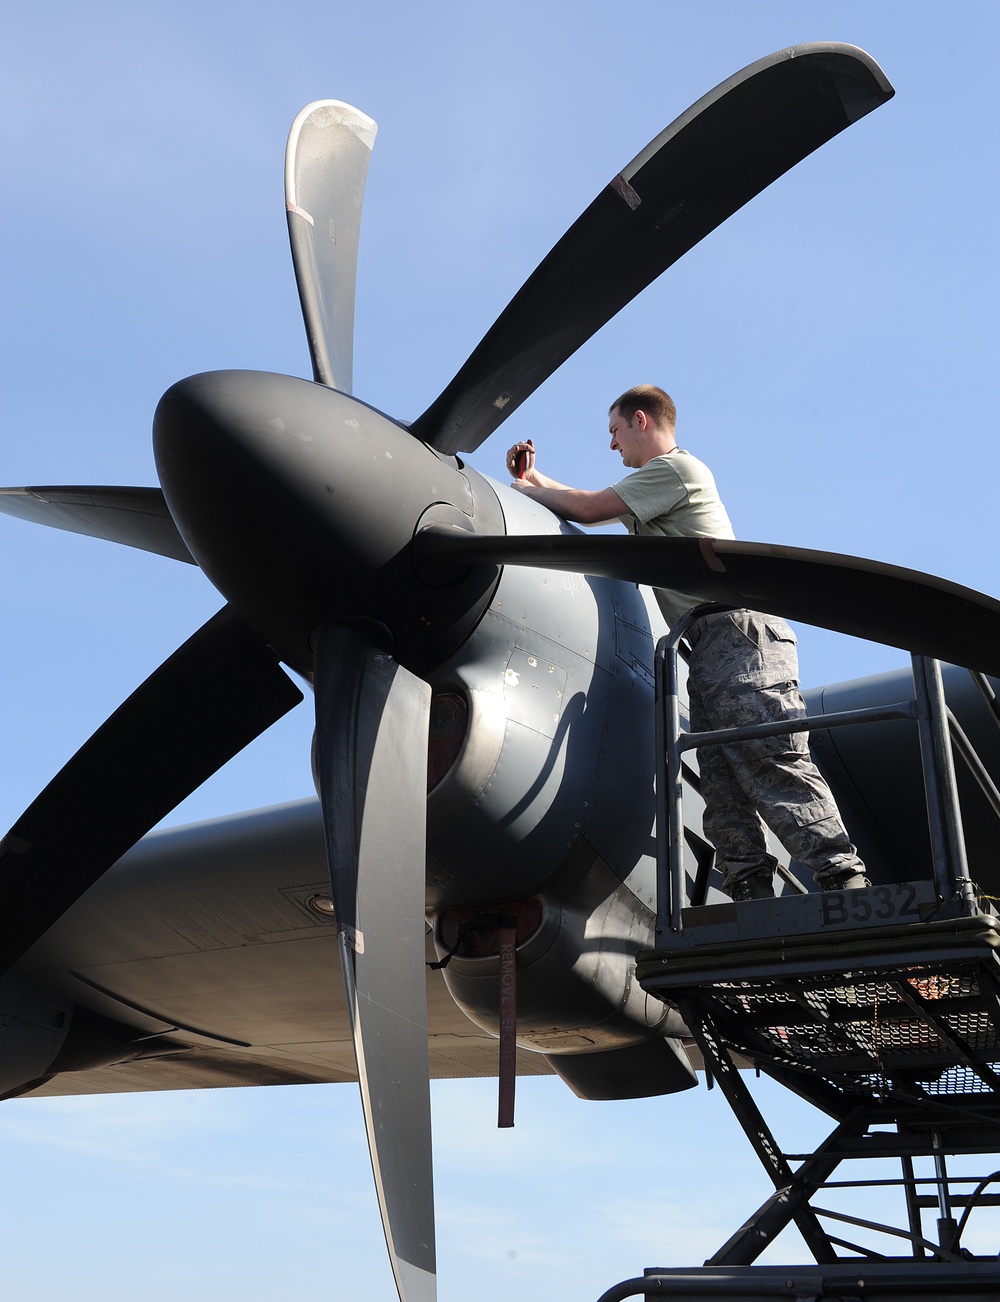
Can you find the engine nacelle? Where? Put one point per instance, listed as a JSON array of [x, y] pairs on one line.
[[577, 997], [33, 1029], [875, 772]]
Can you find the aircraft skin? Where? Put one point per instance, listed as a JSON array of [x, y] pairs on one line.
[[199, 959], [199, 928]]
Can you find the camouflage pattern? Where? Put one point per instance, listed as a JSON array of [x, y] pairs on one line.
[[744, 670]]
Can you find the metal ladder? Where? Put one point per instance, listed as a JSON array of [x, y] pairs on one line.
[[880, 1007]]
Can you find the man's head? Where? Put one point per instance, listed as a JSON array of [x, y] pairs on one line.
[[641, 424], [657, 405]]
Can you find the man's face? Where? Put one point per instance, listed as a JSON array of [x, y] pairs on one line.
[[626, 438]]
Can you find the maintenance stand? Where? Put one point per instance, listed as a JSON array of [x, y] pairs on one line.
[[879, 1007]]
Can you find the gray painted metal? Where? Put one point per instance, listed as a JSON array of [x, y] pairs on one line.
[[544, 801], [657, 208], [136, 517], [891, 1030], [557, 811], [791, 1200], [817, 991], [212, 697], [850, 594], [206, 934], [877, 1005], [878, 797], [34, 1025], [326, 163], [944, 812], [892, 1027], [371, 734], [581, 836], [301, 502], [882, 1281], [659, 1066], [970, 758], [928, 709]]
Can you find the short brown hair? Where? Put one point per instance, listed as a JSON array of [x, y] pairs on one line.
[[653, 401]]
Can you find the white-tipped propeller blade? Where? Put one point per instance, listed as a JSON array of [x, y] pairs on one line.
[[371, 756], [326, 162]]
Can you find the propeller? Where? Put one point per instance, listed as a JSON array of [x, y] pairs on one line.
[[301, 505], [214, 695], [709, 162], [371, 757], [868, 599]]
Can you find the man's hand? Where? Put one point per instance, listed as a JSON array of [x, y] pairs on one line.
[[521, 461], [578, 504]]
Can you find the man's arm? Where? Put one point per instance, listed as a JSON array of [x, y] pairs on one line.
[[581, 505], [600, 506]]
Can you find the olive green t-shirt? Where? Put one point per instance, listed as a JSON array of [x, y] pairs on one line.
[[674, 495]]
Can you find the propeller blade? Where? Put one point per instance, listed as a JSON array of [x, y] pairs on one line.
[[713, 159], [868, 599], [213, 696], [371, 732], [326, 161], [136, 517]]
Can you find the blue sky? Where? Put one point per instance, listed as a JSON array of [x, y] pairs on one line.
[[831, 351]]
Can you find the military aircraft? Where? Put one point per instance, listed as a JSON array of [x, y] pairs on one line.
[[483, 691]]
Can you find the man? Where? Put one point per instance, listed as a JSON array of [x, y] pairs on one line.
[[743, 667]]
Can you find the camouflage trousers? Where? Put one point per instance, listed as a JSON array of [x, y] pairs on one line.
[[744, 669]]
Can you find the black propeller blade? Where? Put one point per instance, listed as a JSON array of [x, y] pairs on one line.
[[708, 163], [371, 746], [868, 599], [136, 517], [326, 162], [214, 695]]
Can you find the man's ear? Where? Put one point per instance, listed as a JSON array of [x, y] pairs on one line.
[[641, 419]]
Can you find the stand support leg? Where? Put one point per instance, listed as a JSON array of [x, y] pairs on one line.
[[794, 1189]]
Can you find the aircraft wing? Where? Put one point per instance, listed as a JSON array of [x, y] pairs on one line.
[[205, 948]]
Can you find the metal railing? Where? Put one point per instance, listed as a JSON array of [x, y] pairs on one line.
[[939, 735]]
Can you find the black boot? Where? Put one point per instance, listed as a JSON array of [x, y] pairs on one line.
[[754, 887], [849, 881]]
